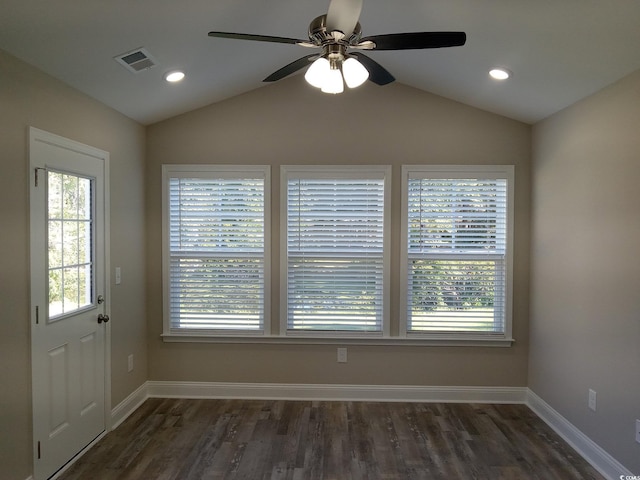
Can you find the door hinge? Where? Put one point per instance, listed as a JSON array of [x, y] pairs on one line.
[[37, 314], [39, 455], [36, 174]]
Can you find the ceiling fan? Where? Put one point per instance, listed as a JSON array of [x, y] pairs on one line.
[[339, 36]]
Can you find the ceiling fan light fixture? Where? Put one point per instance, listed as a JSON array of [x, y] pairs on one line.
[[335, 33], [333, 82], [354, 73], [318, 72]]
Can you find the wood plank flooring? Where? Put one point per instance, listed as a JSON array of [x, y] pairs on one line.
[[251, 439]]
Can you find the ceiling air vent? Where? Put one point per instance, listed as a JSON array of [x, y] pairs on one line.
[[136, 60]]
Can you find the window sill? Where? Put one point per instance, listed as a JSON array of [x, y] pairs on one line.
[[443, 341]]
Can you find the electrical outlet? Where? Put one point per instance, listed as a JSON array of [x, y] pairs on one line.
[[130, 363], [592, 399], [342, 355], [638, 431]]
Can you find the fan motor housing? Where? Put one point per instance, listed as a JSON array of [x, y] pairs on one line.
[[318, 33]]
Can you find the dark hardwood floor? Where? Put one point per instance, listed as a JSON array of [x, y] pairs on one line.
[[248, 439]]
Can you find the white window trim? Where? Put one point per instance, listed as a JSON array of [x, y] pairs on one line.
[[400, 336], [329, 172], [214, 171], [459, 171]]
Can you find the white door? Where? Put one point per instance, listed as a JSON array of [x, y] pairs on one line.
[[69, 319]]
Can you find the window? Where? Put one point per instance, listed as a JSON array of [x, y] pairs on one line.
[[334, 250], [455, 254], [216, 239], [456, 251], [70, 243]]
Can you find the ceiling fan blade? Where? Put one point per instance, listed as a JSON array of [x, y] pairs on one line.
[[258, 38], [291, 68], [343, 15], [417, 40], [377, 73]]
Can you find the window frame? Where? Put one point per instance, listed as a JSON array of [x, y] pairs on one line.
[[338, 172], [213, 171], [505, 172]]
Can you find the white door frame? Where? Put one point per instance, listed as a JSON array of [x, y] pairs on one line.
[[36, 173]]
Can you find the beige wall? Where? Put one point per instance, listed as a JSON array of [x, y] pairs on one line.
[[30, 98], [585, 237], [585, 315], [289, 123]]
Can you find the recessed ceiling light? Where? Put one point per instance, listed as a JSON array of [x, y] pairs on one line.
[[499, 73], [174, 76]]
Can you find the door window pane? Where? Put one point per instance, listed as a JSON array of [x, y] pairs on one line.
[[70, 237]]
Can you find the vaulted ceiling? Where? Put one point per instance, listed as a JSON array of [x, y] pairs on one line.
[[558, 50]]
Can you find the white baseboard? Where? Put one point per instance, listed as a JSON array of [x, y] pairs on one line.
[[129, 405], [587, 448], [371, 393], [277, 391], [608, 466]]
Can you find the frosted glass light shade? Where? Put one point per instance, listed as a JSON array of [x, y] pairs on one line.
[[317, 72], [333, 82], [354, 73]]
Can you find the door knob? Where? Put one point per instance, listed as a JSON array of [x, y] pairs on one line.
[[103, 318]]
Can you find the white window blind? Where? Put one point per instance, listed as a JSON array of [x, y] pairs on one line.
[[335, 251], [216, 250], [457, 246]]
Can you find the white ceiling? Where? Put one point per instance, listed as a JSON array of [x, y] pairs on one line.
[[559, 50]]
